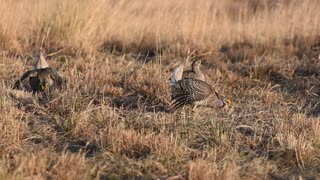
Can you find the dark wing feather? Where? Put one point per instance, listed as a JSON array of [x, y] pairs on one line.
[[17, 84], [35, 84], [181, 101], [40, 74]]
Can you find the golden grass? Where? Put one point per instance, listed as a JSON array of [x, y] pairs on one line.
[[85, 26], [110, 121]]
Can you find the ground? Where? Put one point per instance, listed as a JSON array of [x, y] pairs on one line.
[[110, 121]]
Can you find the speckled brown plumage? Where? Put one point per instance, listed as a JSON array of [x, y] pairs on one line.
[[195, 72], [190, 91], [40, 80]]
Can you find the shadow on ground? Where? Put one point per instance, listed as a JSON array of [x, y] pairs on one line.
[[137, 101]]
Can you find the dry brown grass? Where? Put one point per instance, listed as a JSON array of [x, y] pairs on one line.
[[110, 121]]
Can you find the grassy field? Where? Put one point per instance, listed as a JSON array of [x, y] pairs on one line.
[[117, 56]]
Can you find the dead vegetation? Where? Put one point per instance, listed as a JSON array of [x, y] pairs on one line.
[[110, 122]]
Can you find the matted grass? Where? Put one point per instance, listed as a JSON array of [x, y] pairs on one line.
[[110, 121]]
